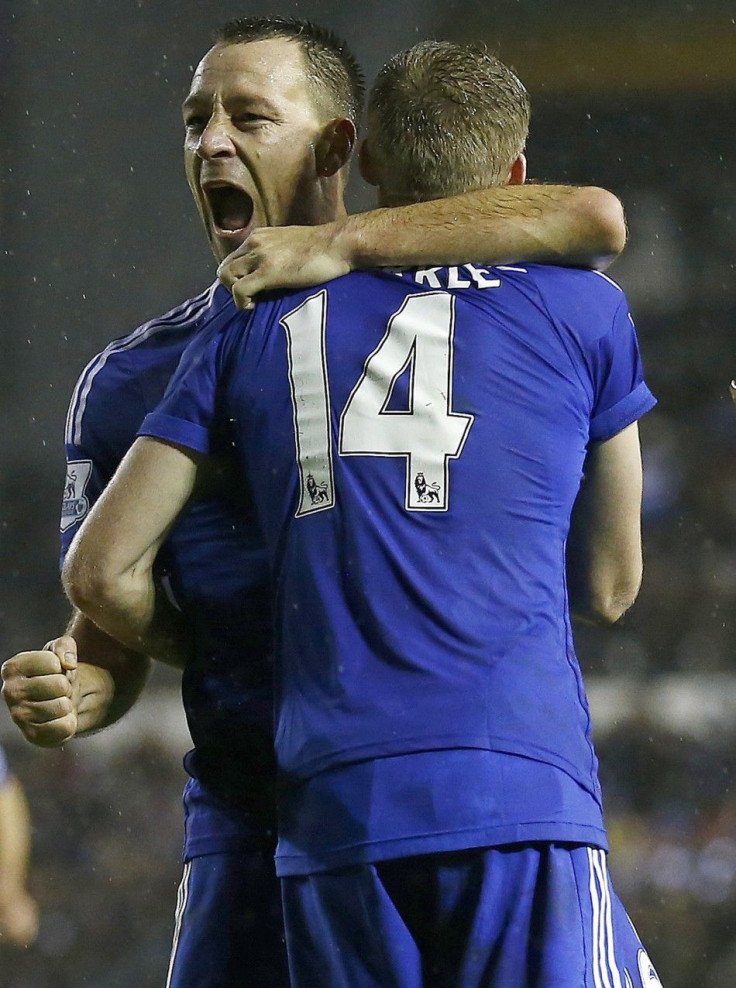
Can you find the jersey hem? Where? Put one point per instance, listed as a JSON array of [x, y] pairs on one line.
[[245, 843], [401, 847], [406, 746]]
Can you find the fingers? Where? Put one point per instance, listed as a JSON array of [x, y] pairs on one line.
[[28, 664], [37, 688], [45, 711], [244, 290], [65, 648], [52, 734], [236, 266], [39, 694]]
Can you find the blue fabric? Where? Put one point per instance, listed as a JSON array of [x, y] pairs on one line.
[[5, 774], [412, 804], [529, 916], [406, 626], [213, 565], [228, 926]]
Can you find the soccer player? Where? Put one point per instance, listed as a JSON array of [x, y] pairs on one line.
[[213, 565], [414, 443], [18, 909]]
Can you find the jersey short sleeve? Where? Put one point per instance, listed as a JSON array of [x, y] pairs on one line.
[[591, 314], [113, 394], [621, 394], [105, 397], [188, 411]]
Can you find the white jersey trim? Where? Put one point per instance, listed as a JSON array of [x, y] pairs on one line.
[[605, 970], [182, 898], [179, 316], [609, 280]]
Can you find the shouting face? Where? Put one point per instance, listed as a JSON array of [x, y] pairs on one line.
[[252, 129]]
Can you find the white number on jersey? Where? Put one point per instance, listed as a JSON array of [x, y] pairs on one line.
[[310, 399], [419, 339]]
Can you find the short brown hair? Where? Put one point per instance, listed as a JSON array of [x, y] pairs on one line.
[[332, 66], [449, 117]]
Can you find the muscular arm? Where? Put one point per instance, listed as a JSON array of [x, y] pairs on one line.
[[604, 564], [108, 573], [544, 223]]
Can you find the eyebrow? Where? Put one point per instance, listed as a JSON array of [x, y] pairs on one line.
[[196, 100]]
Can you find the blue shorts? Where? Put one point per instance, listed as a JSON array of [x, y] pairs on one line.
[[520, 916], [229, 929]]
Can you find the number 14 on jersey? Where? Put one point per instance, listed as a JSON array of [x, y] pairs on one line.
[[419, 340]]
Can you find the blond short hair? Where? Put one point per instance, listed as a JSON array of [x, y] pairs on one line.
[[448, 118]]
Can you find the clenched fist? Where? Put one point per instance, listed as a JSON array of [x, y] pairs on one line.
[[41, 689]]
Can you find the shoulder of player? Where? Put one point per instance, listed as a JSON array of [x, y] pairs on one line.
[[114, 370], [543, 276], [177, 322], [584, 280], [589, 299]]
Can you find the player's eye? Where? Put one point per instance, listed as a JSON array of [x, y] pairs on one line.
[[195, 124], [247, 120]]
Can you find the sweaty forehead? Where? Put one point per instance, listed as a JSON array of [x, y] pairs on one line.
[[272, 70]]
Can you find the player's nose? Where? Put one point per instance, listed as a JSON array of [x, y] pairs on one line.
[[215, 141]]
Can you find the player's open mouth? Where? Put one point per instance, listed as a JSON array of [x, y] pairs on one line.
[[231, 209]]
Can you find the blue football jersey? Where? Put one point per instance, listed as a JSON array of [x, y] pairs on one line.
[[5, 775], [213, 565], [414, 442]]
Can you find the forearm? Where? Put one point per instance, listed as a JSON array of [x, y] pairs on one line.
[[136, 613], [604, 554], [15, 839], [111, 676], [108, 570], [544, 223]]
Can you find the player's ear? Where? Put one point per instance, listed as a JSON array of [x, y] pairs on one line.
[[517, 175], [367, 163], [335, 146]]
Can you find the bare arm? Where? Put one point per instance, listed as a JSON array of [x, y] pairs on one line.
[[111, 677], [18, 912], [108, 573], [545, 223], [604, 564]]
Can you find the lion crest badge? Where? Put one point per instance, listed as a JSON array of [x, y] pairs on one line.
[[75, 504]]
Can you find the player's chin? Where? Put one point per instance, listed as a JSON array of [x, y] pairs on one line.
[[225, 242]]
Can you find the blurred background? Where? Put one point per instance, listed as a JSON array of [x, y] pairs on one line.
[[97, 234]]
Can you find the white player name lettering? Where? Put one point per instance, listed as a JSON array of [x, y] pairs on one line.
[[451, 277]]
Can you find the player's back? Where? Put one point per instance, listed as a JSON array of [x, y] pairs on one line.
[[414, 445]]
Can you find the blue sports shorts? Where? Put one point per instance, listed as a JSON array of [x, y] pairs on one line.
[[519, 916], [229, 930]]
